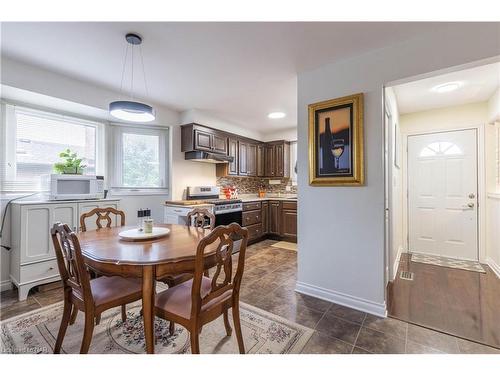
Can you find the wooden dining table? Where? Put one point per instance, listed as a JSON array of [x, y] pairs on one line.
[[108, 254]]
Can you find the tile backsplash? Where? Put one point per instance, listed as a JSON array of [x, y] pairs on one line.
[[251, 185]]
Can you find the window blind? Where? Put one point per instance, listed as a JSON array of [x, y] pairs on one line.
[[35, 139]]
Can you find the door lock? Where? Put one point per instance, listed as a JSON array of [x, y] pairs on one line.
[[472, 195]]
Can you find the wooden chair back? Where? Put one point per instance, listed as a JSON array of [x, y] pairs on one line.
[[197, 217], [223, 280], [102, 214], [70, 261]]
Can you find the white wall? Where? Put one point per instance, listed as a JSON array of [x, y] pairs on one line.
[[396, 242], [341, 229], [289, 134], [494, 107]]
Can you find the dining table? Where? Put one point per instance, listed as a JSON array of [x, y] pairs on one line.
[[108, 254]]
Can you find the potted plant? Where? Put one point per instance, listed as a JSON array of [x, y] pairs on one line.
[[71, 164]]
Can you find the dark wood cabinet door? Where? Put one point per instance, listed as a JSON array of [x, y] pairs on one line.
[[279, 163], [219, 144], [233, 151], [269, 161], [202, 140], [274, 217], [242, 156], [252, 160], [289, 223], [261, 172], [265, 217]]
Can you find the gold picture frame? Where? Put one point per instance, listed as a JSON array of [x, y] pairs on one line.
[[336, 145]]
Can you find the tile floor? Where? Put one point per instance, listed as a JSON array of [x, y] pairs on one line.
[[269, 282]]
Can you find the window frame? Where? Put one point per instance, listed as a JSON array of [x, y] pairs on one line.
[[116, 132], [8, 138]]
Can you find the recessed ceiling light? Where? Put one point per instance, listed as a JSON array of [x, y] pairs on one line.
[[275, 115], [447, 87]]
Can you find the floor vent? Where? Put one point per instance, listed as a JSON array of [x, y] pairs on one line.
[[406, 275]]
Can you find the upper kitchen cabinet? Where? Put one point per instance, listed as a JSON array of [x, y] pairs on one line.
[[277, 159], [233, 167], [196, 137]]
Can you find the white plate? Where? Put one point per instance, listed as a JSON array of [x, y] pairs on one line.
[[137, 235]]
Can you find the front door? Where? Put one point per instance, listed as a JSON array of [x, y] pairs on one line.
[[442, 194]]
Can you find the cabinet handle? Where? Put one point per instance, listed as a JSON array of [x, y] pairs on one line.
[[51, 268]]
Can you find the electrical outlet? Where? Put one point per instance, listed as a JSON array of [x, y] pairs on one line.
[[274, 182], [288, 188]]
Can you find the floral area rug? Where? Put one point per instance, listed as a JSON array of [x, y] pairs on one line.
[[263, 332]]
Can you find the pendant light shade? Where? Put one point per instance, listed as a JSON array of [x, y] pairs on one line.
[[130, 110]]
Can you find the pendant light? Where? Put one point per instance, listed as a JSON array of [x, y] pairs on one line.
[[131, 110]]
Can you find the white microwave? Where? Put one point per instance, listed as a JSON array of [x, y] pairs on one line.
[[69, 187]]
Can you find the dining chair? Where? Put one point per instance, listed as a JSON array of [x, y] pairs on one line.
[[102, 214], [81, 293], [198, 217], [203, 299]]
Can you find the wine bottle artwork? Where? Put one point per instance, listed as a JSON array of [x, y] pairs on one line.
[[338, 147]]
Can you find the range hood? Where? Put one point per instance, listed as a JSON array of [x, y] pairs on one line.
[[207, 157]]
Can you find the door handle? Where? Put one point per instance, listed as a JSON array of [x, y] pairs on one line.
[[468, 206]]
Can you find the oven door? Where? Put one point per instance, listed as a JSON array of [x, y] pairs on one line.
[[228, 218]]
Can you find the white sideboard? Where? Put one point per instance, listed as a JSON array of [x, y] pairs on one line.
[[33, 259]]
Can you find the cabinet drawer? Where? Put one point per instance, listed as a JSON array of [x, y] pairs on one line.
[[38, 271], [251, 217], [249, 206], [289, 205], [254, 231]]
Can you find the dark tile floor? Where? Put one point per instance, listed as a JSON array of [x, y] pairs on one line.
[[269, 283]]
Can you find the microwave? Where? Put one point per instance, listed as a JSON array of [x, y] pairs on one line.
[[69, 187]]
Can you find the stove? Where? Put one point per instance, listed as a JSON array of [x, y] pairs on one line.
[[226, 210]]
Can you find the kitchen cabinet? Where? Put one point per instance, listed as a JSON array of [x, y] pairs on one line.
[[33, 259], [260, 160], [233, 167], [269, 161], [243, 158], [288, 223], [265, 217], [195, 137], [274, 218], [277, 159], [252, 159]]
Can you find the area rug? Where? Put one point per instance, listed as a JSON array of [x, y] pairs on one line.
[[435, 260], [263, 332], [285, 245]]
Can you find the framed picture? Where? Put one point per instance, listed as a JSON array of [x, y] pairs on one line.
[[336, 142]]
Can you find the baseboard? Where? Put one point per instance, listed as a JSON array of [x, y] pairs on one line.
[[374, 308], [494, 266], [395, 266], [5, 285]]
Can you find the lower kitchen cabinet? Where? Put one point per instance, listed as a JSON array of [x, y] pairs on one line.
[[276, 219], [289, 221]]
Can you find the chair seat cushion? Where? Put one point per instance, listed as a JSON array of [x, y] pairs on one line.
[[107, 289], [177, 299]]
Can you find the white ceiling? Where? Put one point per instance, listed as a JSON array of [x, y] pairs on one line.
[[478, 84], [237, 71]]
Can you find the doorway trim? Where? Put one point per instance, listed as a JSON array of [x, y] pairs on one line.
[[481, 185]]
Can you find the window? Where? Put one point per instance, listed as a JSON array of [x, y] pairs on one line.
[[33, 141], [140, 155], [440, 148]]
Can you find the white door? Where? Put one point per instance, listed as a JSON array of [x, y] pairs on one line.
[[442, 194]]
